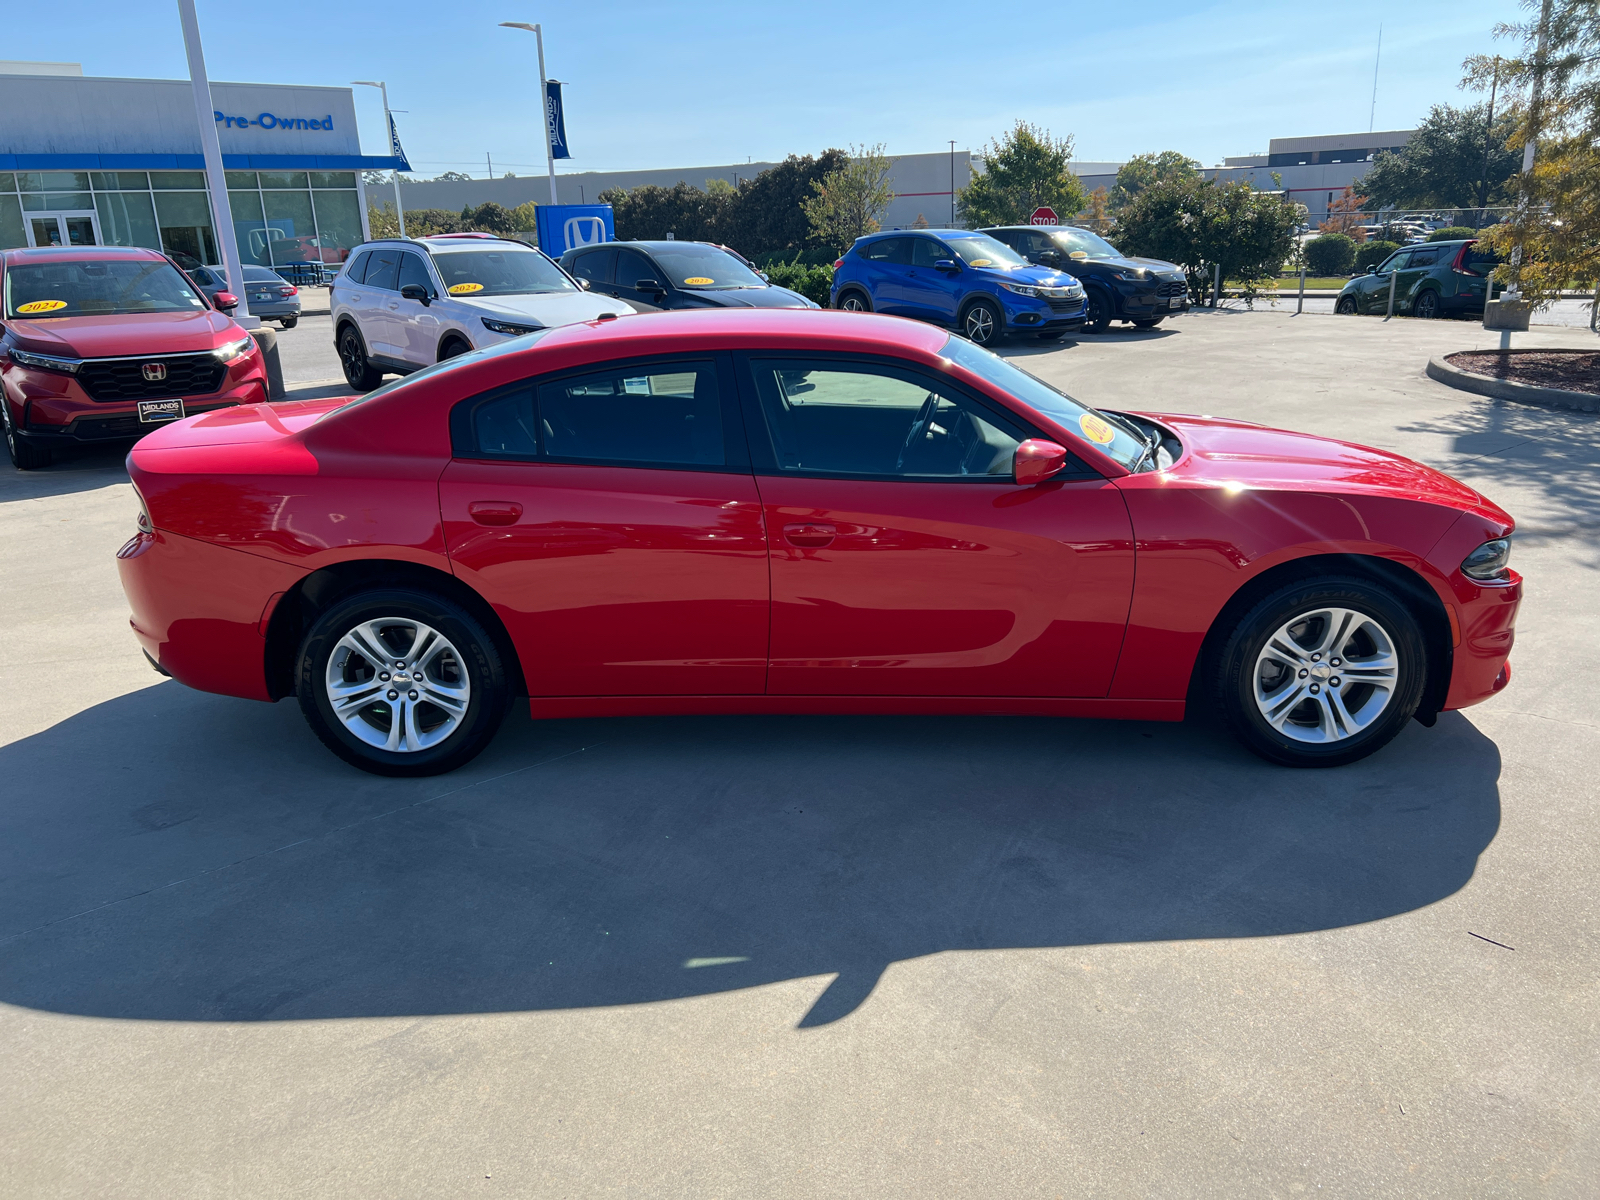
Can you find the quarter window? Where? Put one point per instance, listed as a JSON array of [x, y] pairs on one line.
[[356, 272], [848, 419]]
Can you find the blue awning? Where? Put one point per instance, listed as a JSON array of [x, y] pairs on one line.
[[197, 162]]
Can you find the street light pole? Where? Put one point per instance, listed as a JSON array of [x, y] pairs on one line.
[[388, 132], [216, 181], [952, 183], [544, 101]]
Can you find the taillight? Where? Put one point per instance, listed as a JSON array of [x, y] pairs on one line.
[[1459, 270], [837, 263], [288, 291]]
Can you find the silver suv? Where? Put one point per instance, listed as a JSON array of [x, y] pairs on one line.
[[402, 304]]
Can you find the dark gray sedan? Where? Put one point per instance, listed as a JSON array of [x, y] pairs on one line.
[[269, 295]]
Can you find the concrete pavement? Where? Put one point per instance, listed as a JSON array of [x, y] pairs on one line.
[[817, 956]]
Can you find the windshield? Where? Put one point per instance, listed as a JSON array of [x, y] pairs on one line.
[[1109, 434], [1080, 243], [478, 273], [97, 289], [703, 268], [981, 250]]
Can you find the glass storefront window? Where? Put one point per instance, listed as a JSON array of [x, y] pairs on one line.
[[184, 219], [52, 201], [54, 181], [240, 179], [339, 222], [249, 227], [163, 181], [11, 232], [120, 181], [333, 179], [291, 228], [283, 179], [8, 182], [126, 219]]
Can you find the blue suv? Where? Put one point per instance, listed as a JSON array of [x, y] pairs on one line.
[[981, 287]]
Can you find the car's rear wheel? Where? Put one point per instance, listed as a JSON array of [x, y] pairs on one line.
[[1346, 306], [1097, 317], [401, 682], [981, 322], [25, 456], [854, 300], [1426, 305], [359, 373], [1321, 672], [289, 322]]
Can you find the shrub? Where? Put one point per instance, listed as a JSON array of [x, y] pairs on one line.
[[817, 256], [812, 282], [1455, 233], [1330, 254], [1370, 253]]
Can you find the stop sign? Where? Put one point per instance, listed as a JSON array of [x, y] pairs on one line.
[[1043, 216]]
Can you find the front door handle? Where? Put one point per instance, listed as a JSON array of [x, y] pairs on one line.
[[809, 534], [495, 512]]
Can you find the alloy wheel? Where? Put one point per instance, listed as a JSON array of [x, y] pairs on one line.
[[1326, 675], [979, 324], [351, 358], [852, 303], [1427, 306], [397, 684]]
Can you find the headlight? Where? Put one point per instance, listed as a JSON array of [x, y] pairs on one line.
[[509, 328], [1020, 289], [46, 362], [1488, 561], [1132, 274], [1068, 292], [233, 349]]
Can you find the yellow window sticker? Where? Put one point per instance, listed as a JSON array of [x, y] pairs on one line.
[[1079, 254], [461, 289], [698, 281], [1096, 430], [39, 306], [983, 262]]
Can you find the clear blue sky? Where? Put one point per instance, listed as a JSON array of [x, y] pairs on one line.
[[693, 84]]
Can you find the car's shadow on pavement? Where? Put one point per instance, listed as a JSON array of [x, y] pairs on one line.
[[74, 469], [175, 856]]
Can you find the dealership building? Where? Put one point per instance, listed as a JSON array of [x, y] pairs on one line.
[[118, 162]]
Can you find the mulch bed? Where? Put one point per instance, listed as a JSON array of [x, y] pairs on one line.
[[1570, 370]]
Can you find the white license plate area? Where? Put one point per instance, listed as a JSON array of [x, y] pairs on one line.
[[1175, 302], [262, 296], [155, 412]]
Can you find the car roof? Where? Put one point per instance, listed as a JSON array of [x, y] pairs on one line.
[[861, 332], [445, 242], [35, 254]]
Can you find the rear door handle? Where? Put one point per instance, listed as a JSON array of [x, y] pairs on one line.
[[809, 533], [495, 512]]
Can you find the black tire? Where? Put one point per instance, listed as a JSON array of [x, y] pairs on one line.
[[1149, 323], [453, 348], [289, 322], [982, 323], [359, 373], [854, 300], [1426, 306], [1346, 306], [1244, 661], [396, 615], [1098, 312], [25, 456]]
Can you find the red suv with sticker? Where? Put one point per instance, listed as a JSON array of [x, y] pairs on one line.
[[103, 343]]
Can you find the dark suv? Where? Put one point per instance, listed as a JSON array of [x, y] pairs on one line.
[[1142, 290], [1434, 279]]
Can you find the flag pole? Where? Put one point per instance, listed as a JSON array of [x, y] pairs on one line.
[[399, 208]]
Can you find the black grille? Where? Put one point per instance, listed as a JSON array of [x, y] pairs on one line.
[[1066, 306], [1172, 289], [123, 378]]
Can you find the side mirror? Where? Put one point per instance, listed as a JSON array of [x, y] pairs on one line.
[[765, 278], [1372, 268], [1037, 460], [945, 264], [649, 285], [225, 301], [585, 284], [415, 291]]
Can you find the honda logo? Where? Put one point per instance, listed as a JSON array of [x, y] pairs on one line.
[[154, 372], [585, 231]]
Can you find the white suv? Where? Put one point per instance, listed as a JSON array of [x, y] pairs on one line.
[[402, 304]]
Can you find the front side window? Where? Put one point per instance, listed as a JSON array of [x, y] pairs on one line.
[[843, 419], [664, 415], [595, 266], [925, 252], [82, 289], [633, 269], [480, 273], [414, 270], [1395, 262]]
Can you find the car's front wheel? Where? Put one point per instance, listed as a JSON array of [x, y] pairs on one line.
[[1346, 306], [25, 456], [1097, 317], [359, 373], [1321, 672], [401, 682], [981, 322]]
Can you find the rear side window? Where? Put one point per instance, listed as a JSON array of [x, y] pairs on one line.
[[660, 415], [382, 269], [356, 272], [1425, 258], [888, 250]]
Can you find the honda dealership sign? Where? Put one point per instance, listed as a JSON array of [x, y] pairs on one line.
[[564, 227]]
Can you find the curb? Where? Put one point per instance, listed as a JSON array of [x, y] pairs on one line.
[[1508, 389]]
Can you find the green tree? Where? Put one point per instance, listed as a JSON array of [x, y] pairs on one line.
[[486, 218], [1442, 165], [1143, 170], [1025, 169], [1330, 254], [770, 216], [850, 202], [652, 212], [452, 177], [523, 219], [420, 222], [1197, 223]]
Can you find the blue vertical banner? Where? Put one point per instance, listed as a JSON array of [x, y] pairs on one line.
[[555, 119], [394, 146]]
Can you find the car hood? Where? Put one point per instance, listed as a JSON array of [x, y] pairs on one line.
[[762, 297], [1257, 457], [560, 308], [1032, 275], [124, 335], [1157, 267]]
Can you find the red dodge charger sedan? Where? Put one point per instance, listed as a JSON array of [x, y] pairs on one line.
[[800, 512], [102, 343]]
